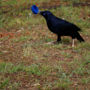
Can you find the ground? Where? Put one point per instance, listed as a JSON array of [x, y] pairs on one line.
[[28, 63]]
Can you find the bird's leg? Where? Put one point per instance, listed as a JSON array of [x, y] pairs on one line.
[[72, 42], [59, 39]]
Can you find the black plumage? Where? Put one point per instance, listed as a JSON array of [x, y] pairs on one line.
[[61, 27]]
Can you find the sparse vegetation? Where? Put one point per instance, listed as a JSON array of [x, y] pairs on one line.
[[27, 62]]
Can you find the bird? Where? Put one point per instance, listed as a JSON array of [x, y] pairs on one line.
[[61, 27]]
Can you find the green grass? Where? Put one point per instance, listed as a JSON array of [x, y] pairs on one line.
[[10, 68], [85, 80], [20, 18], [21, 38], [4, 83], [30, 62], [36, 69]]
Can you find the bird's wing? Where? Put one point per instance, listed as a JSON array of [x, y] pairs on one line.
[[63, 24]]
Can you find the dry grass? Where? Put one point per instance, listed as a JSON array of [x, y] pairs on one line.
[[27, 62]]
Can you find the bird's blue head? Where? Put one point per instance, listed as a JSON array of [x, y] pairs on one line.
[[45, 13]]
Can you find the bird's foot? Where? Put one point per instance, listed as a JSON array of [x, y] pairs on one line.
[[72, 46]]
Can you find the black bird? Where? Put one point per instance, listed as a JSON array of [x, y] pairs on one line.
[[61, 27]]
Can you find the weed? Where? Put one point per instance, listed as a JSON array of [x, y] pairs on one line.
[[51, 66], [33, 69], [20, 39], [63, 83], [14, 85], [80, 70], [85, 80], [37, 69], [1, 53], [10, 68], [4, 83], [68, 55]]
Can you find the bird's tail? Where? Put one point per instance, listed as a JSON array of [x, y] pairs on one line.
[[80, 38]]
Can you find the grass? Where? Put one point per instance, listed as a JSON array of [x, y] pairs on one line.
[[85, 80], [18, 18], [9, 68], [36, 69], [4, 83], [27, 62]]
